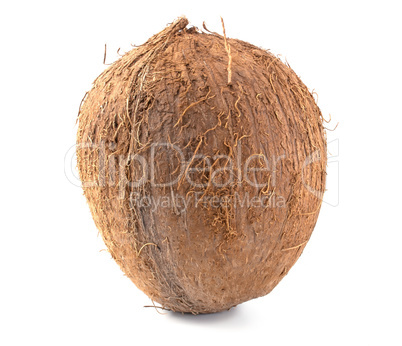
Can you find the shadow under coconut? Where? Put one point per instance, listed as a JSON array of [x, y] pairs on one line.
[[235, 317]]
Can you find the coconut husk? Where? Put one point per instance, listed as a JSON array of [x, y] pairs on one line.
[[194, 107]]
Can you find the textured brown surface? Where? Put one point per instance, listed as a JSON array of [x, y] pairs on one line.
[[174, 89]]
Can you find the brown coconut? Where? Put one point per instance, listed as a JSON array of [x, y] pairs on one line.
[[163, 140]]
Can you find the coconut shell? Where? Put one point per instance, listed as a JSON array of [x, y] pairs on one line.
[[174, 141]]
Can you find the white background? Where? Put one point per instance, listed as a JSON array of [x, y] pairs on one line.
[[57, 288]]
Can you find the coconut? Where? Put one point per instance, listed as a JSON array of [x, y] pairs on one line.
[[203, 161]]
